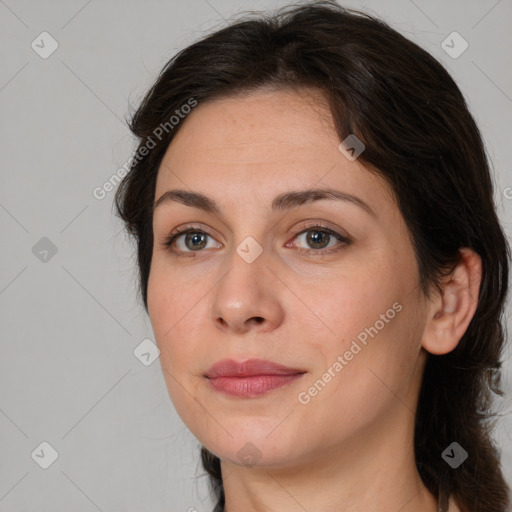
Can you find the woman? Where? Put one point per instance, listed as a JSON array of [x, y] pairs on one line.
[[323, 266]]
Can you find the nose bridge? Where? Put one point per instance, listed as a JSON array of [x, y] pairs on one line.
[[246, 267], [248, 231], [246, 290]]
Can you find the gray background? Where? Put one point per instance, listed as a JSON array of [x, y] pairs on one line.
[[70, 324]]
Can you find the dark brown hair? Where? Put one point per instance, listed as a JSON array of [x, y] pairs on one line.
[[421, 138]]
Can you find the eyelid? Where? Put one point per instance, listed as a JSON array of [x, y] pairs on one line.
[[195, 226], [319, 224]]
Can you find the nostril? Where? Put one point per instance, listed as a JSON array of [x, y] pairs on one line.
[[223, 322]]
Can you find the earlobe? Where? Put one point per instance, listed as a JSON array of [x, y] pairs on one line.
[[451, 312]]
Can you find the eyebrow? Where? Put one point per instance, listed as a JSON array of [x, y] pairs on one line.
[[284, 201]]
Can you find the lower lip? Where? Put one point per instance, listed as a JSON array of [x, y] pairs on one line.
[[253, 386]]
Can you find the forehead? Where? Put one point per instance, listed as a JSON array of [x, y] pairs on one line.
[[251, 125], [261, 143]]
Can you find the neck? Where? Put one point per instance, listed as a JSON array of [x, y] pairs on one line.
[[373, 470]]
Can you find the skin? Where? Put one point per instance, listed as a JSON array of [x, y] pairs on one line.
[[350, 448]]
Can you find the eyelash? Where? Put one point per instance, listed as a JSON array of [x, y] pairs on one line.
[[169, 241]]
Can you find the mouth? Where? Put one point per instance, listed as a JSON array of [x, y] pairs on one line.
[[251, 378]]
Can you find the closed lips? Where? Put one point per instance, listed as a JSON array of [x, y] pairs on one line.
[[249, 368]]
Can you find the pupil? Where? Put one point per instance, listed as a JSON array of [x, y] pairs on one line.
[[314, 239], [196, 237]]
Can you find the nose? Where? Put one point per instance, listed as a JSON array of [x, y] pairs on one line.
[[247, 297]]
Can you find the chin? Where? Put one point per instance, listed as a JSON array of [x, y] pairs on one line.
[[252, 447]]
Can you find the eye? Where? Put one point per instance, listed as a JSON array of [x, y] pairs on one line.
[[319, 237], [194, 239]]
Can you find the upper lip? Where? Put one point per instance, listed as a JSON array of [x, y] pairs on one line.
[[250, 367]]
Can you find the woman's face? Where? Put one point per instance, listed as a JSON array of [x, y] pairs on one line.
[[252, 283]]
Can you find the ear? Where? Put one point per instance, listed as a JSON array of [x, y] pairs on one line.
[[451, 312]]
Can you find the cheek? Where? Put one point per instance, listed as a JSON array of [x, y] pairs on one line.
[[362, 299], [377, 365], [373, 323], [165, 312], [174, 335], [160, 304], [167, 300], [174, 316]]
